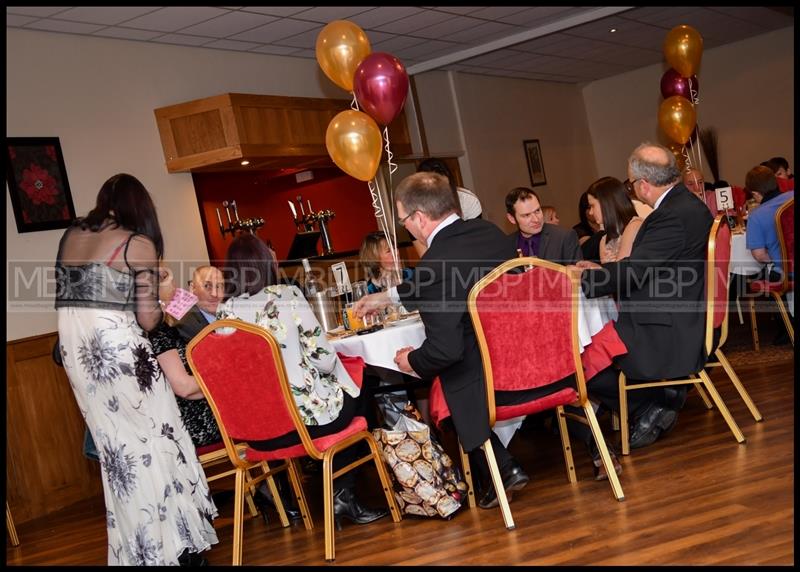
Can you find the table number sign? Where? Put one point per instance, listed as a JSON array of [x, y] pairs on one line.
[[342, 278], [181, 302], [724, 198]]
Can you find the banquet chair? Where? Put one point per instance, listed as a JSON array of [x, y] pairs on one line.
[[240, 369], [505, 308], [784, 222], [716, 332]]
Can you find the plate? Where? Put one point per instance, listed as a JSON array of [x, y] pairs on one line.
[[404, 321]]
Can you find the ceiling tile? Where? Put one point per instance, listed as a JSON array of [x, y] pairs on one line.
[[62, 26], [128, 33], [449, 26], [108, 15], [411, 24], [325, 14], [281, 11], [490, 57], [534, 15], [456, 9], [174, 18], [396, 43], [307, 54], [275, 50], [38, 11], [229, 24], [15, 20], [483, 33], [763, 17], [496, 12], [379, 16], [426, 49], [276, 30], [306, 40], [182, 40], [231, 45]]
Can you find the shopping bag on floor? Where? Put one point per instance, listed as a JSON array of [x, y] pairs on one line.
[[426, 481]]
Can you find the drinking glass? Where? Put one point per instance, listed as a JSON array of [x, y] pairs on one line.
[[359, 290]]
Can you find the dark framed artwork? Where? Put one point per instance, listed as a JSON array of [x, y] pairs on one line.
[[37, 181], [533, 154]]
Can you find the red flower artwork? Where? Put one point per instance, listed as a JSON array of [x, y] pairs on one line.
[[51, 152], [39, 185]]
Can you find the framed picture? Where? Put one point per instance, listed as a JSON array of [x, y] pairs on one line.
[[533, 154], [37, 181]]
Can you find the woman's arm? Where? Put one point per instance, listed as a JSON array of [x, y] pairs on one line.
[[603, 255], [183, 384]]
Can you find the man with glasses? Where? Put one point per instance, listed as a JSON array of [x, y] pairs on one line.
[[660, 288], [459, 253]]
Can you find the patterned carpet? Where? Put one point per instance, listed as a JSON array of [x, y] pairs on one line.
[[768, 354]]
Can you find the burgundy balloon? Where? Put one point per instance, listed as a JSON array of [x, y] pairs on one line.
[[381, 86], [673, 83]]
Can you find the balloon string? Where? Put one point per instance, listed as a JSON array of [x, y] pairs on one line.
[[354, 103], [383, 223], [687, 160], [392, 235], [389, 154], [693, 92]]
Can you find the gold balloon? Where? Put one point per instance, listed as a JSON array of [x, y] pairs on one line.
[[677, 118], [341, 45], [354, 141], [683, 48]]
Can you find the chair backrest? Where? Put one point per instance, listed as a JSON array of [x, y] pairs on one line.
[[784, 220], [717, 280], [527, 327], [240, 369]]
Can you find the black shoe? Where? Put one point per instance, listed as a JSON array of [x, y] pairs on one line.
[[514, 479], [263, 499], [675, 397], [345, 505], [648, 426], [187, 558]]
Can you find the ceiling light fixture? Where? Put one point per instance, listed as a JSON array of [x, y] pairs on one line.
[[612, 30], [245, 162]]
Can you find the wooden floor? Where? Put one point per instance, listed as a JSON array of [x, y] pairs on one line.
[[694, 497]]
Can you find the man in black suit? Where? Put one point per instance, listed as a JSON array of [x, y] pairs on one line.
[[208, 284], [661, 292], [536, 237], [459, 254]]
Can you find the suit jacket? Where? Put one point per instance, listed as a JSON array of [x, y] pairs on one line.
[[661, 290], [559, 245], [460, 255], [191, 323]]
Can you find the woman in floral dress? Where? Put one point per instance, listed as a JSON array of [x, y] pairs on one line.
[[158, 507], [326, 396]]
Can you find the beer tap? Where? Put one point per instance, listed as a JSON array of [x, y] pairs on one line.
[[249, 224]]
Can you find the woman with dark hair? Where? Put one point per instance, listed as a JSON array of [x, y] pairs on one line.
[[158, 508], [612, 209], [588, 231], [326, 396], [378, 264]]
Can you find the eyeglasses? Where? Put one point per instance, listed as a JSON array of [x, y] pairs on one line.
[[629, 185], [403, 220]]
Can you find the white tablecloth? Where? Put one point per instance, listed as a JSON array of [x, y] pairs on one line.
[[742, 262], [379, 348]]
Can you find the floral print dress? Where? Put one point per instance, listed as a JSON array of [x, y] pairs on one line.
[[315, 372], [156, 495]]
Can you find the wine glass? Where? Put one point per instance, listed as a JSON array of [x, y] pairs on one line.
[[359, 290]]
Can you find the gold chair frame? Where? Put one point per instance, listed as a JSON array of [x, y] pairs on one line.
[[236, 452], [581, 402], [12, 530], [705, 381]]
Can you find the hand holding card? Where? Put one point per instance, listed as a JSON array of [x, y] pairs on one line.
[[181, 302]]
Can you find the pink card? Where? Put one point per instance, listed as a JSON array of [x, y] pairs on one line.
[[181, 302]]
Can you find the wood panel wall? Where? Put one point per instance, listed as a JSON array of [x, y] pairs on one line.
[[45, 467]]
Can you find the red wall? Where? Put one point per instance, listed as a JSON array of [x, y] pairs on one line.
[[265, 194]]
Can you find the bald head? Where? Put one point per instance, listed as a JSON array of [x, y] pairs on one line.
[[208, 285], [652, 169]]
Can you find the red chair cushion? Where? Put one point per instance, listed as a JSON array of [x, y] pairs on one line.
[[561, 397], [322, 443], [766, 287], [210, 448]]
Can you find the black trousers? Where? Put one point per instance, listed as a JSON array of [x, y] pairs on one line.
[[351, 407]]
